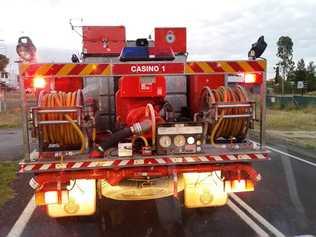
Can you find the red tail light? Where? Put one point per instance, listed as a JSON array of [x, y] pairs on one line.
[[250, 78]]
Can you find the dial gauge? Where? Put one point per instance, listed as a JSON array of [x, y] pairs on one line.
[[165, 141], [179, 140], [190, 140]]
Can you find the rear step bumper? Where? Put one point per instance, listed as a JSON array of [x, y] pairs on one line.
[[47, 165]]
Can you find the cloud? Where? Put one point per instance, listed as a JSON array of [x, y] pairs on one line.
[[216, 29]]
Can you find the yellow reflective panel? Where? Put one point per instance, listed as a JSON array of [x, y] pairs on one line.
[[80, 201], [204, 190]]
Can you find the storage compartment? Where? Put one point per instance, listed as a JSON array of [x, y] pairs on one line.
[[103, 40], [174, 38], [196, 85]]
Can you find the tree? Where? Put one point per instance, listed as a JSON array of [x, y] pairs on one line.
[[311, 76], [285, 53], [300, 72], [4, 61]]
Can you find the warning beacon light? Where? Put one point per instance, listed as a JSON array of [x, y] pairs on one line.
[[258, 48], [26, 49], [143, 52], [39, 83]]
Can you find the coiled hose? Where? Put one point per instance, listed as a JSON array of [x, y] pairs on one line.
[[62, 134], [227, 128]]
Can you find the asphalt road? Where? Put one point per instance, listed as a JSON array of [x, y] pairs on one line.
[[285, 198], [11, 145]]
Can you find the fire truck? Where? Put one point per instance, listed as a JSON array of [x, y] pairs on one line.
[[135, 120]]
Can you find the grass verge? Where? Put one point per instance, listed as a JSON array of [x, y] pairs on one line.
[[7, 175], [10, 119], [296, 126]]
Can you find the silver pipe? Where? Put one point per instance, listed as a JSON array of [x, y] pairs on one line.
[[47, 122], [44, 111]]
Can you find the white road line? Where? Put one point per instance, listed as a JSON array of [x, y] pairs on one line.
[[289, 155], [20, 224], [257, 216], [292, 156], [247, 219]]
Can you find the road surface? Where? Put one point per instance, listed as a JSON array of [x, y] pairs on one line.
[[283, 204]]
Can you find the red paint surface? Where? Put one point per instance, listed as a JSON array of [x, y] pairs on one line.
[[179, 45], [104, 40], [197, 83]]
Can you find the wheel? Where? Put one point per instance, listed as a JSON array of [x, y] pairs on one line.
[[169, 212], [103, 218]]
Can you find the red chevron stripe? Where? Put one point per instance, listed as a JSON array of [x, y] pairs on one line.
[[256, 66], [31, 70], [54, 69], [236, 66], [99, 69], [196, 68], [215, 66], [77, 69]]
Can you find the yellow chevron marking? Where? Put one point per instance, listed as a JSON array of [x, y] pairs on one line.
[[87, 69], [205, 67], [23, 68], [65, 69], [188, 69], [226, 67], [43, 69], [245, 66], [107, 71]]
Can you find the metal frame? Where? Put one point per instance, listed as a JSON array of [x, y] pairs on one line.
[[223, 105], [185, 72]]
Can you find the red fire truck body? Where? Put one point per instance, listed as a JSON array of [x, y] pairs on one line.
[[134, 120]]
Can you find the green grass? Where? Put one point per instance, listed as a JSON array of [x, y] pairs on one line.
[[10, 119], [7, 175], [312, 93], [297, 126], [292, 119]]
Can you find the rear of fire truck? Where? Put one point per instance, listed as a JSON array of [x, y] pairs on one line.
[[134, 120]]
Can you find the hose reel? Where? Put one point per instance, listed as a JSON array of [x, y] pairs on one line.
[[228, 111], [58, 118]]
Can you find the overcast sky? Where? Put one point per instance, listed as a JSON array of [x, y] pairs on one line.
[[222, 29]]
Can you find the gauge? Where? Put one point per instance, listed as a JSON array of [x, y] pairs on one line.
[[165, 141], [190, 140], [179, 140]]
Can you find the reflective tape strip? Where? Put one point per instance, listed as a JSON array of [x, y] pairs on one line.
[[244, 157], [260, 156], [203, 158], [123, 162], [161, 161], [190, 68], [28, 167], [217, 158], [106, 163], [65, 70], [177, 160], [77, 165], [45, 167], [69, 69], [206, 67], [189, 159], [93, 164], [140, 162], [231, 157]]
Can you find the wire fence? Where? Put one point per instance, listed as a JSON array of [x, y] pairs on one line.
[[291, 101]]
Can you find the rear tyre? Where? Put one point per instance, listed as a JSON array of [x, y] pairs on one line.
[[102, 217]]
